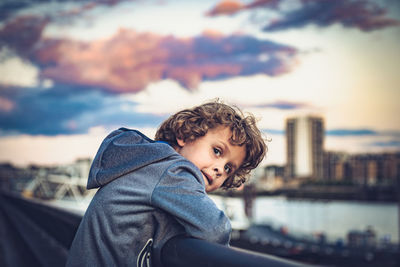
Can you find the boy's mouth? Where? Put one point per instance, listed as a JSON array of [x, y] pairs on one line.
[[208, 178]]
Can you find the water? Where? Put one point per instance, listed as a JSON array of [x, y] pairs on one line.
[[304, 217], [334, 218]]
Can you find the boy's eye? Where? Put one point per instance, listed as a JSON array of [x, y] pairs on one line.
[[217, 152], [228, 169]]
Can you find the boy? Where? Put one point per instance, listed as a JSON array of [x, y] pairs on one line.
[[150, 191]]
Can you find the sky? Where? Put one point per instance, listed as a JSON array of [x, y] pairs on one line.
[[72, 71]]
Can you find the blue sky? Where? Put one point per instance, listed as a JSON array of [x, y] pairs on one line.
[[71, 71]]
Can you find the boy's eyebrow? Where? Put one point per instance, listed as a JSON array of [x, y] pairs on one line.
[[225, 146]]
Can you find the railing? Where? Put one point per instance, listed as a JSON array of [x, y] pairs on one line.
[[33, 234], [182, 252]]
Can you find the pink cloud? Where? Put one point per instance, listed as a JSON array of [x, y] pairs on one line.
[[226, 7], [6, 105], [230, 7], [129, 61], [126, 62]]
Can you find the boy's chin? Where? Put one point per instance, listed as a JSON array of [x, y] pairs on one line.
[[209, 189]]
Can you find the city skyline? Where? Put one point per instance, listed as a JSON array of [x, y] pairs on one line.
[[83, 68]]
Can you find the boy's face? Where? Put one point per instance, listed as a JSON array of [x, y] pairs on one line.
[[214, 155]]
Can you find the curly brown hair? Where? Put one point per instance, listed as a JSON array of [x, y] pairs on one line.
[[190, 124]]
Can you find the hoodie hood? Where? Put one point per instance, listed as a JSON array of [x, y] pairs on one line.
[[122, 152]]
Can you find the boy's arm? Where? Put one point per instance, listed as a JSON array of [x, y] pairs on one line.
[[181, 193]]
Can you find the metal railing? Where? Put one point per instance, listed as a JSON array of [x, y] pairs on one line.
[[184, 251], [43, 235], [33, 234]]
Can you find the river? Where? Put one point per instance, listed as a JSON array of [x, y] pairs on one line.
[[334, 218]]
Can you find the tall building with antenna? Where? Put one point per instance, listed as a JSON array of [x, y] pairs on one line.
[[304, 144]]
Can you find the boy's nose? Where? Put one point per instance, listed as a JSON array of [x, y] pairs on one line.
[[217, 171]]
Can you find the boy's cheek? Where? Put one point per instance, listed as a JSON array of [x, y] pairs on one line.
[[219, 185]]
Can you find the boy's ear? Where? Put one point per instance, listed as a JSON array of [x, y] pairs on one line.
[[180, 142]]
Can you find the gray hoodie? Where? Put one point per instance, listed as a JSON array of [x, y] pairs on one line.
[[147, 194]]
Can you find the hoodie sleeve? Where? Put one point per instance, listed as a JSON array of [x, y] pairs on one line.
[[181, 193]]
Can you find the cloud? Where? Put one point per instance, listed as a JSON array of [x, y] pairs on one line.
[[351, 132], [227, 7], [16, 71], [283, 105], [363, 141], [390, 144], [362, 14], [230, 7], [67, 110], [129, 61], [365, 15], [273, 131], [6, 105], [63, 9], [22, 34], [8, 8]]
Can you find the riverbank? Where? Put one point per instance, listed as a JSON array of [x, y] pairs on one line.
[[265, 239], [323, 192]]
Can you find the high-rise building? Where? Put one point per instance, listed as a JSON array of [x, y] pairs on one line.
[[305, 139]]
